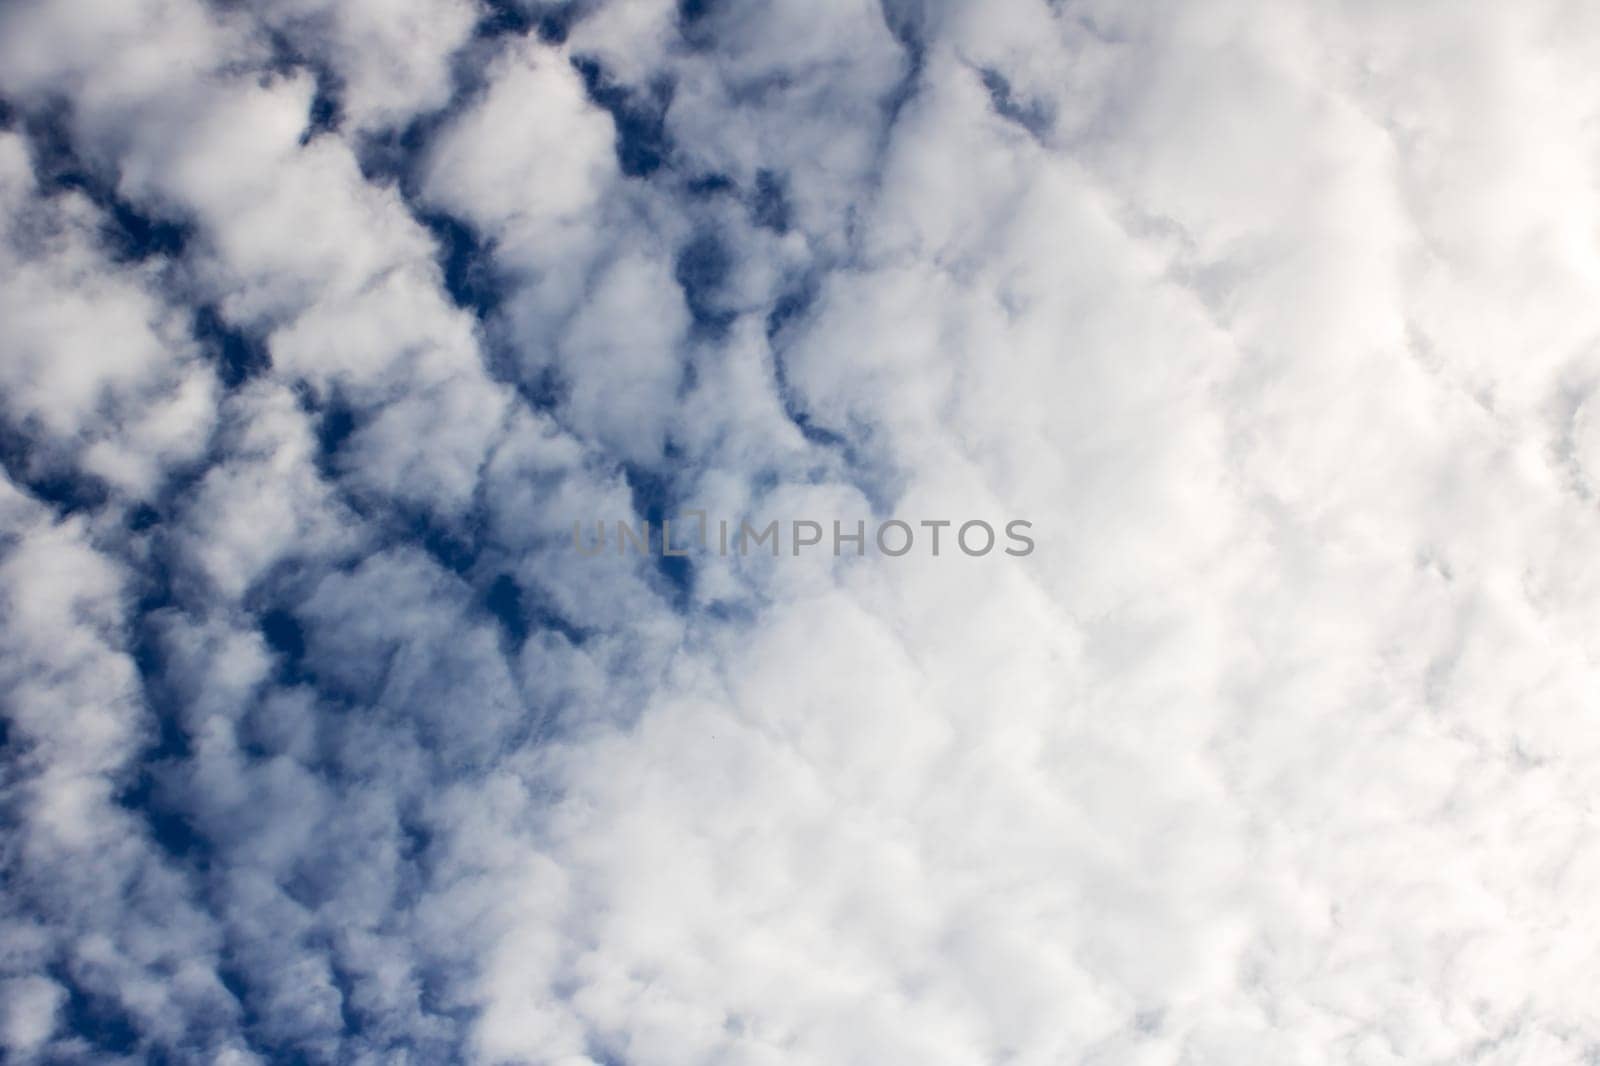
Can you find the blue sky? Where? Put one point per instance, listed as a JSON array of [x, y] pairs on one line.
[[324, 322]]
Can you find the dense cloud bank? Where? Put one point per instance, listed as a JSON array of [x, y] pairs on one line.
[[323, 323]]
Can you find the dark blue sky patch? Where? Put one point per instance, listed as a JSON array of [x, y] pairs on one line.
[[870, 470], [169, 746], [816, 434], [146, 518], [385, 156], [688, 380], [95, 1019], [232, 977], [693, 12], [390, 155], [142, 518], [454, 549], [156, 795], [437, 997], [157, 596], [68, 491], [697, 23], [336, 423], [355, 1022], [312, 879], [769, 204], [1031, 115], [237, 356], [327, 104], [640, 116], [235, 977], [504, 602], [49, 479], [56, 164], [651, 492], [708, 185], [905, 22], [132, 236], [655, 499], [791, 307], [327, 109], [554, 26], [416, 838], [169, 828], [522, 611], [171, 743], [542, 388], [853, 443], [284, 634], [503, 18], [147, 795], [742, 612], [469, 274], [701, 268], [282, 629], [129, 233], [547, 618], [477, 285], [552, 21]]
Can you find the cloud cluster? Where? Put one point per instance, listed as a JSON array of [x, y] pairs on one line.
[[325, 323]]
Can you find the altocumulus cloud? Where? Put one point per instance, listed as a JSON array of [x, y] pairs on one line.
[[325, 321]]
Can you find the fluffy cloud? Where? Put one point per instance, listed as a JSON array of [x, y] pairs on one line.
[[323, 743], [98, 367]]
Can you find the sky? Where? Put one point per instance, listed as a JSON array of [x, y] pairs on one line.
[[324, 322]]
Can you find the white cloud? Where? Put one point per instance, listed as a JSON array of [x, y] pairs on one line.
[[392, 56], [32, 1006], [1277, 325], [99, 367]]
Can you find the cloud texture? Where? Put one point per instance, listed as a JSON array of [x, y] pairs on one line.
[[325, 321]]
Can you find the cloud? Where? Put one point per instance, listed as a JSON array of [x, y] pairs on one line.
[[98, 367], [327, 323]]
